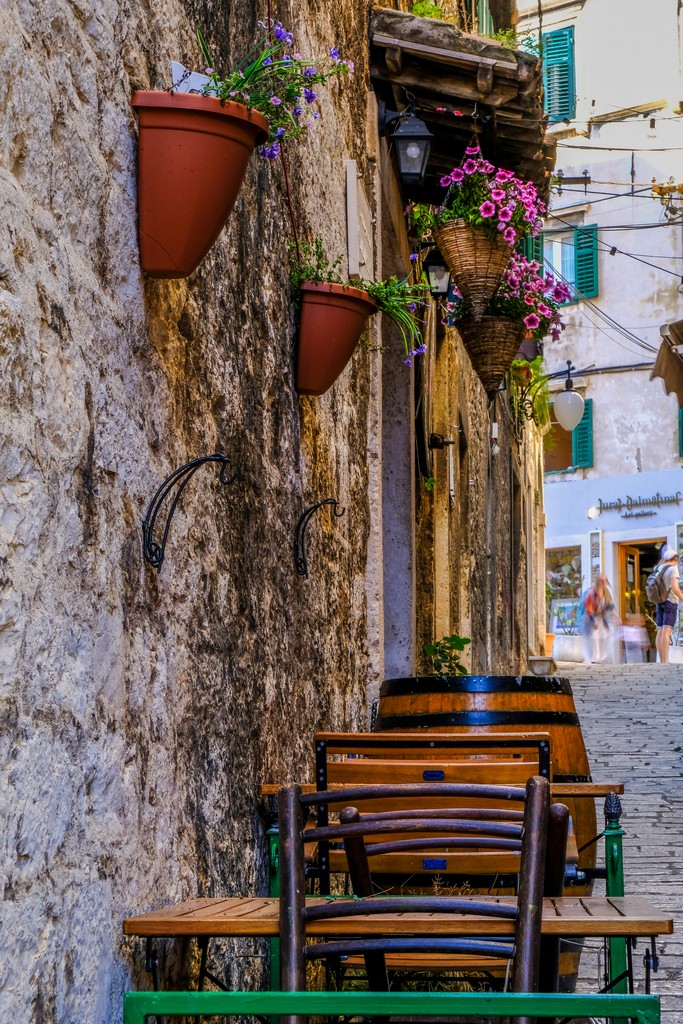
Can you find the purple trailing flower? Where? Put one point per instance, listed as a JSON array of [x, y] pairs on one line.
[[456, 175], [310, 73], [510, 236], [531, 321], [309, 95], [275, 100], [498, 194], [445, 182], [413, 256], [470, 166], [472, 150], [334, 53], [487, 209], [504, 214], [270, 152], [282, 35]]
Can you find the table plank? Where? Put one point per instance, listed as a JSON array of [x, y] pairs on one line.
[[589, 916]]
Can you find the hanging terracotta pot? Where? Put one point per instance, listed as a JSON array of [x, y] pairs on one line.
[[332, 320], [192, 156], [475, 259], [492, 344]]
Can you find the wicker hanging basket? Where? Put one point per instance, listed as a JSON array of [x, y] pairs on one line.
[[475, 259], [492, 343]]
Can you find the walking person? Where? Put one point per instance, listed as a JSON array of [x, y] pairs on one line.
[[596, 609], [666, 611]]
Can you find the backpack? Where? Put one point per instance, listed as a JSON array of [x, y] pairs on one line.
[[656, 587]]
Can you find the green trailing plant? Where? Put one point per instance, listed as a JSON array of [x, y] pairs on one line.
[[530, 376], [401, 300], [445, 655]]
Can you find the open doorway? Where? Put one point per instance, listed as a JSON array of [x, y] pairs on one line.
[[637, 559]]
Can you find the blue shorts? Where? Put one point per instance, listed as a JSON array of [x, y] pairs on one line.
[[666, 613]]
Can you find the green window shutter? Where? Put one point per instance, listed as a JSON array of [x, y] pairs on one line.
[[680, 431], [559, 81], [532, 248], [586, 261], [484, 18], [582, 438]]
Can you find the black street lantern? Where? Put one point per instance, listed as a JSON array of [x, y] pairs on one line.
[[438, 274], [412, 141]]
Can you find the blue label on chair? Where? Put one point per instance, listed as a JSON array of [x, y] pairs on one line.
[[434, 864], [435, 775]]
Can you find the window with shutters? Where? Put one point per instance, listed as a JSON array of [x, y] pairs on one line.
[[566, 450], [572, 255], [559, 77]]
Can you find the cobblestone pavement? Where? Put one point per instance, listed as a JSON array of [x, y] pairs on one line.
[[632, 722]]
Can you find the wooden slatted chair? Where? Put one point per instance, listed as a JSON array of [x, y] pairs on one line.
[[516, 819]]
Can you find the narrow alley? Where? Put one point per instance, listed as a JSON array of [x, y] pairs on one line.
[[632, 721]]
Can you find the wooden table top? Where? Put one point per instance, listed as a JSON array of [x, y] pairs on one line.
[[587, 916], [557, 789]]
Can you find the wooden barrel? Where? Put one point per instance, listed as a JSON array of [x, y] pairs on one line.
[[504, 704]]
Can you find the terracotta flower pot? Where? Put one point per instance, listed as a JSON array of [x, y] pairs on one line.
[[332, 320], [492, 344], [192, 157], [475, 259]]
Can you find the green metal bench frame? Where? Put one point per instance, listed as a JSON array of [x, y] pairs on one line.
[[138, 1006]]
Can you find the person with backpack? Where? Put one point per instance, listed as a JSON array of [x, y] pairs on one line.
[[662, 584]]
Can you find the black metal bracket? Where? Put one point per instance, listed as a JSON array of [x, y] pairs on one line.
[[300, 560], [180, 478]]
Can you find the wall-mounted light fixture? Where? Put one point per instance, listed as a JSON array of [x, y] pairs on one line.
[[438, 274], [568, 404], [412, 140]]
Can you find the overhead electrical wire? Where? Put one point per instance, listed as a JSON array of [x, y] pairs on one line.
[[613, 250], [613, 324]]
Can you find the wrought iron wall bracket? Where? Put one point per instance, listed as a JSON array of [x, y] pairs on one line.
[[180, 478], [300, 560]]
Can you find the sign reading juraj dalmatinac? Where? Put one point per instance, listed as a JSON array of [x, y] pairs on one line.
[[636, 508]]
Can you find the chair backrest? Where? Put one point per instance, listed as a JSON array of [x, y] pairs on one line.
[[359, 759], [515, 819]]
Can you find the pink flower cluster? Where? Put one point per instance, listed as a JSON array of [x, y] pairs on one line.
[[524, 293], [482, 194]]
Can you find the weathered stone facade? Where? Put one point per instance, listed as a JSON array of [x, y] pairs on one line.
[[140, 712]]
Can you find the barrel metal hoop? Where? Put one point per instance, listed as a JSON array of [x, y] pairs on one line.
[[475, 684], [466, 718]]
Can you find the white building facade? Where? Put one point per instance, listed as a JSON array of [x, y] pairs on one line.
[[614, 486]]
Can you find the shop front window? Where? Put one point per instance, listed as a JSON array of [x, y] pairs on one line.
[[563, 585]]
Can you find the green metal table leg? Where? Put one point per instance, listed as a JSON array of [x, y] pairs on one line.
[[614, 886], [274, 890]]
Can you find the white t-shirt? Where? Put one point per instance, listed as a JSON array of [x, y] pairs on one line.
[[671, 574]]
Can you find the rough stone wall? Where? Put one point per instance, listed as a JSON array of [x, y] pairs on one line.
[[139, 712], [471, 562]]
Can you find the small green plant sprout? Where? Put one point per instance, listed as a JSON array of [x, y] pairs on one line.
[[427, 9], [445, 655], [430, 483]]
